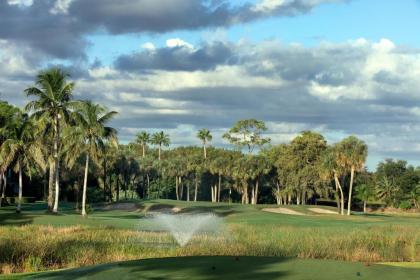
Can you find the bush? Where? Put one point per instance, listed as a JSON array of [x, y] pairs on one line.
[[405, 205]]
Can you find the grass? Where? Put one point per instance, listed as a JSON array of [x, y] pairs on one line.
[[37, 241], [207, 268]]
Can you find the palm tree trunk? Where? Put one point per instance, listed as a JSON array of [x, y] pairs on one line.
[[205, 150], [256, 192], [181, 185], [57, 187], [51, 186], [176, 188], [364, 206], [105, 185], [278, 196], [144, 152], [76, 193], [219, 187], [341, 193], [57, 164], [148, 185], [350, 191], [118, 188], [2, 187], [85, 186], [188, 192], [337, 197], [160, 147], [19, 204], [3, 194], [196, 188]]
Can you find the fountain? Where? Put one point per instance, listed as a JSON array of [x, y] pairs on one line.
[[183, 226]]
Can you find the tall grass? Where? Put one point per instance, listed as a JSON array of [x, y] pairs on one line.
[[35, 248]]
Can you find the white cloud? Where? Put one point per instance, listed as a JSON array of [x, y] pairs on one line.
[[20, 2], [61, 7], [177, 42], [148, 46], [269, 5]]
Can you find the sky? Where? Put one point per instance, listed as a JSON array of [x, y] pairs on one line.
[[338, 67]]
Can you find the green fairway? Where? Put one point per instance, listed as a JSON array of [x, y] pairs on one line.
[[232, 213], [232, 268]]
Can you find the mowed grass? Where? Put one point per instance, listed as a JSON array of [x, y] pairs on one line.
[[233, 213], [228, 268], [37, 241]]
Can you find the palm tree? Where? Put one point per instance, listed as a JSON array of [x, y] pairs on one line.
[[352, 154], [143, 138], [387, 190], [414, 196], [88, 136], [52, 107], [365, 192], [330, 170], [160, 139], [8, 117], [21, 150], [205, 136]]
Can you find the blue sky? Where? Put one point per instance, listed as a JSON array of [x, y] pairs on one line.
[[332, 22]]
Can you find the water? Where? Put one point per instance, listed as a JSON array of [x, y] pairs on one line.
[[183, 226]]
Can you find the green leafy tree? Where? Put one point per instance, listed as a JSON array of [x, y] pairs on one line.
[[247, 133], [53, 102]]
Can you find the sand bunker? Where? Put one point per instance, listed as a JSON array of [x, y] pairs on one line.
[[128, 206], [322, 211], [282, 211]]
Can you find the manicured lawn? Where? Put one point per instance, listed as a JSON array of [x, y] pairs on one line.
[[233, 213], [255, 268]]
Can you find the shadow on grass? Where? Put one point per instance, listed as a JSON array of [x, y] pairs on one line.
[[178, 268], [222, 211], [11, 218]]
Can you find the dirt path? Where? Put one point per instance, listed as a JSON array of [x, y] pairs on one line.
[[282, 211]]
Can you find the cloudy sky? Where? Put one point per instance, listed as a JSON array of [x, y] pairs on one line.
[[336, 67]]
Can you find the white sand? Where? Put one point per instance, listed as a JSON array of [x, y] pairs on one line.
[[322, 211], [282, 211]]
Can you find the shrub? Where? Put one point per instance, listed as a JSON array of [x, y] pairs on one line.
[[405, 205]]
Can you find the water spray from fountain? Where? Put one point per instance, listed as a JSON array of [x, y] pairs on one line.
[[183, 226]]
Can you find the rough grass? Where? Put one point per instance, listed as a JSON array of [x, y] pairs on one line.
[[37, 248]]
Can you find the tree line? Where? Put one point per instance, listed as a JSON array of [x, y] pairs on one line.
[[60, 148]]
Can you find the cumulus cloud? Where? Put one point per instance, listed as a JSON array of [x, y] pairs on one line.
[[178, 55], [59, 27], [357, 87]]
